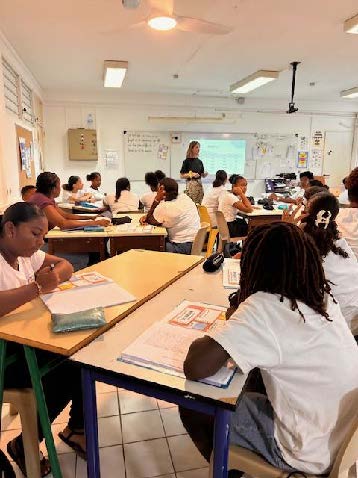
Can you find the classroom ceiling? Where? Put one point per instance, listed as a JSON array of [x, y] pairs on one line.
[[65, 43]]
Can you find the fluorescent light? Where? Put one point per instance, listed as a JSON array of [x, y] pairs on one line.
[[162, 23], [351, 25], [352, 93], [254, 81], [114, 73], [187, 119]]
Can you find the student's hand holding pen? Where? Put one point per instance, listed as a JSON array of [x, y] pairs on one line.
[[48, 279]]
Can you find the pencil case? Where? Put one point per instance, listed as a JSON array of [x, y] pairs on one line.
[[87, 319], [93, 229]]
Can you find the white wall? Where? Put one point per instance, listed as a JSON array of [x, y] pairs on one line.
[[9, 167], [131, 113]]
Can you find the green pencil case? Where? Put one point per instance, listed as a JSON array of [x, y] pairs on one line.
[[87, 319]]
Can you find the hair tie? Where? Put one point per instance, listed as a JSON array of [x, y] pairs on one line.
[[322, 219]]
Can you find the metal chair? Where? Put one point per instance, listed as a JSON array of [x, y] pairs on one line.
[[199, 240]]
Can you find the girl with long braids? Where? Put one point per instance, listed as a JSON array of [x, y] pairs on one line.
[[289, 326]]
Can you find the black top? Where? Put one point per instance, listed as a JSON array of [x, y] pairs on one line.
[[192, 164]]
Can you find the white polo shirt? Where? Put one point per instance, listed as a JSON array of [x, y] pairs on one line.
[[211, 202], [347, 222], [343, 275], [310, 371], [180, 217], [147, 199], [226, 201], [28, 266], [127, 201]]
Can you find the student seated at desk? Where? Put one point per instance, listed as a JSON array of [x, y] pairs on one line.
[[296, 197], [147, 199], [343, 197], [124, 200], [211, 197], [93, 189], [289, 327], [177, 213], [232, 202], [347, 218], [25, 272], [73, 191], [27, 192]]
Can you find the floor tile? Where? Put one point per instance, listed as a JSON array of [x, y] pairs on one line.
[[142, 426], [164, 404], [63, 416], [104, 388], [7, 436], [172, 423], [109, 431], [112, 463], [67, 464], [61, 447], [148, 458], [131, 402], [198, 473], [107, 404], [184, 454]]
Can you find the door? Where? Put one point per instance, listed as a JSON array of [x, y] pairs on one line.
[[337, 157]]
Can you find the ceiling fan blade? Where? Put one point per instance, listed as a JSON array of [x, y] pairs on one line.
[[188, 24], [117, 31], [165, 7]]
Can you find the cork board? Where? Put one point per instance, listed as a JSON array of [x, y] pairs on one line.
[[26, 166], [82, 144]]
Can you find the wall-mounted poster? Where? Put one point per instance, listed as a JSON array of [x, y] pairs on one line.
[[302, 159]]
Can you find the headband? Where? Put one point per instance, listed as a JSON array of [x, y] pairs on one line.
[[322, 219]]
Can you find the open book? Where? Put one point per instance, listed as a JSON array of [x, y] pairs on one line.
[[86, 290], [231, 273], [164, 345]]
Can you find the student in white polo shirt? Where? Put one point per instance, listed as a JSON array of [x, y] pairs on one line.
[[347, 219], [176, 212], [211, 197], [230, 203], [289, 327]]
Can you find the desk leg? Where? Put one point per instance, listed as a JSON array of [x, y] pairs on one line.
[[221, 443], [91, 424], [42, 409]]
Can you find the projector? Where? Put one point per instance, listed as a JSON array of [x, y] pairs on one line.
[[291, 108], [130, 3]]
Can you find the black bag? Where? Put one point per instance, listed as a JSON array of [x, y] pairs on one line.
[[117, 221]]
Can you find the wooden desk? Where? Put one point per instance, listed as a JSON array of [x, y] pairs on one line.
[[261, 216], [100, 364]]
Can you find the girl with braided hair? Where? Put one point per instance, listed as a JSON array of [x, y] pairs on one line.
[[287, 325]]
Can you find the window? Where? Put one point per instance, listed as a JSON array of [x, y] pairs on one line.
[[26, 103], [11, 88]]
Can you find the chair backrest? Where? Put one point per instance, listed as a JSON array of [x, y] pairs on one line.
[[199, 240], [222, 226], [347, 453], [204, 214]]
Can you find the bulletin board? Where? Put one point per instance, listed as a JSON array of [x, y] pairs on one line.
[[82, 144], [25, 157]]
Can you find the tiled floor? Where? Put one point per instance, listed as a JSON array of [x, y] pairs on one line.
[[139, 437]]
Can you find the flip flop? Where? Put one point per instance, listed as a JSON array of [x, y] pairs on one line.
[[16, 452], [76, 447]]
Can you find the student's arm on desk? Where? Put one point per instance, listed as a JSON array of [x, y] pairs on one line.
[[149, 218], [59, 218], [275, 197], [14, 298], [53, 271], [205, 357]]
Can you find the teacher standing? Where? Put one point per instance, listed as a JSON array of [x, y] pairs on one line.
[[193, 170]]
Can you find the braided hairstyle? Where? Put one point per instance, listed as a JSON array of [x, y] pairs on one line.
[[279, 258], [324, 235]]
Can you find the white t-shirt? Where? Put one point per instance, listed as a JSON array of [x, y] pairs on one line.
[[343, 197], [97, 194], [211, 202], [297, 193], [66, 195], [343, 275], [181, 218], [310, 371], [226, 201], [28, 266], [347, 222], [147, 199], [127, 201]]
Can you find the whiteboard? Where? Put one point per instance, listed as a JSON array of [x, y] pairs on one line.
[[145, 151], [265, 155]]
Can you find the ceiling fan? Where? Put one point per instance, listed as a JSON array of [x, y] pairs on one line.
[[162, 17]]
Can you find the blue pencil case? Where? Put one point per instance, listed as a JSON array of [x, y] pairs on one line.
[[88, 204], [87, 319], [93, 229]]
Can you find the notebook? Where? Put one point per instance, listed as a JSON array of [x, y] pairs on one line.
[[231, 273], [164, 345]]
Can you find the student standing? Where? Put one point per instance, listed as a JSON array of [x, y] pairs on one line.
[[232, 202], [178, 213], [25, 273], [211, 197], [193, 170], [289, 327], [347, 218], [124, 199]]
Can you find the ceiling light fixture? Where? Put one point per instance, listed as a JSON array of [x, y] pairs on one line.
[[114, 73], [253, 81], [352, 93], [351, 25], [162, 23]]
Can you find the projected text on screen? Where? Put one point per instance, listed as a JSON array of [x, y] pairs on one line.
[[225, 154]]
